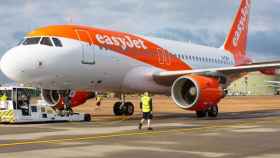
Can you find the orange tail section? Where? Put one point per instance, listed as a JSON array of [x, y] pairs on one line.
[[236, 41]]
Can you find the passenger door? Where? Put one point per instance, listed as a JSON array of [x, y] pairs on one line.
[[163, 57], [88, 54]]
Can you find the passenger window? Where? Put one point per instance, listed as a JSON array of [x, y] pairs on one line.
[[183, 57], [57, 42], [46, 41], [30, 41], [20, 42]]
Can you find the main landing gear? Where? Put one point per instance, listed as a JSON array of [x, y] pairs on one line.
[[123, 108], [212, 111]]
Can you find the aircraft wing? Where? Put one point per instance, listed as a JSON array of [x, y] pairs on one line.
[[170, 76]]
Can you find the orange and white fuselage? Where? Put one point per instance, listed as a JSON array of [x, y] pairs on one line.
[[102, 60]]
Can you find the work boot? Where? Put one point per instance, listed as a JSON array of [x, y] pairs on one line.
[[140, 126], [150, 128]]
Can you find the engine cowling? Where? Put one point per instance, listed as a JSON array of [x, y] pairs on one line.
[[196, 92], [54, 98]]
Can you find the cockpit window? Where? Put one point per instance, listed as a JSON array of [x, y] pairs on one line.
[[46, 41], [32, 40], [20, 42], [57, 42]]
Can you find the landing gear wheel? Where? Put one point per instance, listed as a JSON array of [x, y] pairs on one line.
[[117, 109], [87, 118], [213, 111], [201, 113], [128, 109]]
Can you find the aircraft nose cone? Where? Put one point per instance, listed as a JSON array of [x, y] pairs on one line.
[[12, 65]]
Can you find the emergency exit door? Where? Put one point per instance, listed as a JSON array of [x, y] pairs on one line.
[[87, 49]]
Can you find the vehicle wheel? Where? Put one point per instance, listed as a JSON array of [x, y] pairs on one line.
[[201, 113], [213, 111], [117, 111], [129, 109], [87, 118]]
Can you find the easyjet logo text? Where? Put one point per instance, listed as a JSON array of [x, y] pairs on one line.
[[242, 25], [123, 42]]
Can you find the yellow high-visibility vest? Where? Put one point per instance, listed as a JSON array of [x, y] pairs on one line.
[[3, 98], [146, 104], [98, 98]]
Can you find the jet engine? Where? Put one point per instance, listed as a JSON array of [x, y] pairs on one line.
[[55, 98], [196, 92]]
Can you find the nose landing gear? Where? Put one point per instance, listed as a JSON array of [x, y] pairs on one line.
[[123, 108]]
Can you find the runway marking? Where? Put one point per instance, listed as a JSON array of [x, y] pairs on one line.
[[132, 133]]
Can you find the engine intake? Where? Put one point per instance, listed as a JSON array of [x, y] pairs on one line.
[[196, 92], [55, 99], [51, 97]]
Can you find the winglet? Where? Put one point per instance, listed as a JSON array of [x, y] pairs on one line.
[[236, 41]]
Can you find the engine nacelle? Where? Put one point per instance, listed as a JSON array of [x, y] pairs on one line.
[[54, 98], [196, 92]]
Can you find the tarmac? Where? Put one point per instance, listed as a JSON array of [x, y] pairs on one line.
[[238, 134]]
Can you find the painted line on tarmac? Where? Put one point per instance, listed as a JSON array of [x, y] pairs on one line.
[[113, 135], [134, 133]]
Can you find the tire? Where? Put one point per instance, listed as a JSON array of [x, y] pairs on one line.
[[128, 109], [213, 111], [116, 109], [201, 113], [87, 118]]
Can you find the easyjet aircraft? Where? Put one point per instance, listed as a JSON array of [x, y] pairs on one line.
[[86, 59]]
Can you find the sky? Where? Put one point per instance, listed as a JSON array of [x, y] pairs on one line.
[[204, 22]]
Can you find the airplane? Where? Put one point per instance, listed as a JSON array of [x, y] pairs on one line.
[[85, 59]]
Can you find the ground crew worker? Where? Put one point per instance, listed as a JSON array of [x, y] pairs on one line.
[[67, 103], [146, 106], [4, 97], [3, 100], [98, 101]]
